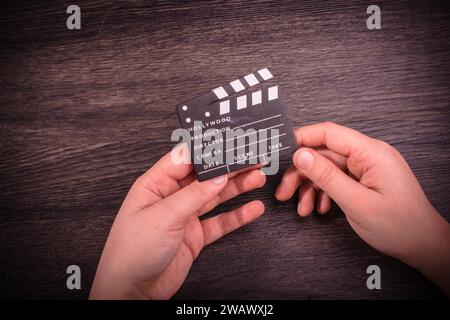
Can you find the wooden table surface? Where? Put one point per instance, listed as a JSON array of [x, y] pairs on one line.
[[85, 112]]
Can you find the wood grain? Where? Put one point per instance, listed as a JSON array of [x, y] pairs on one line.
[[83, 113]]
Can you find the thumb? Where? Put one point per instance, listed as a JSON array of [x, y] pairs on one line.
[[324, 173], [178, 207]]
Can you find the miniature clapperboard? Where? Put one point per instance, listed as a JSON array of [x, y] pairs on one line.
[[237, 125]]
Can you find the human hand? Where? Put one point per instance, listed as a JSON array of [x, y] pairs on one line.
[[375, 188], [157, 233]]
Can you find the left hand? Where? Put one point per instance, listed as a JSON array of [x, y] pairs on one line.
[[157, 233]]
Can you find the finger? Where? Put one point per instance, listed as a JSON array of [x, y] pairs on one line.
[[360, 149], [224, 223], [171, 173], [339, 139], [178, 207], [339, 160], [241, 183], [321, 171], [191, 177], [290, 181], [306, 199], [253, 167], [323, 202], [160, 181]]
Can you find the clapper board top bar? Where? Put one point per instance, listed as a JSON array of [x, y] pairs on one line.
[[247, 100], [243, 83], [230, 88]]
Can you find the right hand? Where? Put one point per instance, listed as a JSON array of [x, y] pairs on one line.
[[375, 188]]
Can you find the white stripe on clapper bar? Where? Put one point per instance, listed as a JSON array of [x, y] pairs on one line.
[[237, 85], [220, 93], [265, 74], [225, 107], [273, 93], [256, 97], [242, 102], [251, 79]]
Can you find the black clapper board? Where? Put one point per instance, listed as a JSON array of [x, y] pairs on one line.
[[250, 107]]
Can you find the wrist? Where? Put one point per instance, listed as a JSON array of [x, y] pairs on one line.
[[110, 285], [432, 255], [114, 291]]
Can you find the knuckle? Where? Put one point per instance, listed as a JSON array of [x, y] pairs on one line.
[[388, 148], [197, 192], [329, 124], [384, 145], [240, 218], [326, 175], [147, 182], [239, 188], [211, 204], [262, 181], [141, 180]]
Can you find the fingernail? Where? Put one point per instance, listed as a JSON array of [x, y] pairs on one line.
[[304, 160], [219, 180]]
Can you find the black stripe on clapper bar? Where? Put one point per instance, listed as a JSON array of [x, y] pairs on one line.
[[262, 108]]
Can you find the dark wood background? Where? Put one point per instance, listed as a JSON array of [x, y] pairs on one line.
[[83, 113]]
